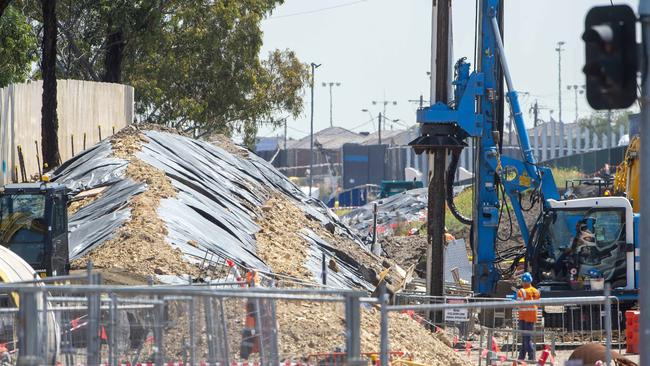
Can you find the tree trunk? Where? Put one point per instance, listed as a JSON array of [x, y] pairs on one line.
[[3, 6], [49, 122], [114, 55]]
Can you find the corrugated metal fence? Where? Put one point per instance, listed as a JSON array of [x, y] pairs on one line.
[[85, 110]]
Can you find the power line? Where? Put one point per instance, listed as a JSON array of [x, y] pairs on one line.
[[319, 10]]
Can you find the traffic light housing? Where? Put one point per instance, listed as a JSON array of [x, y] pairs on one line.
[[611, 57]]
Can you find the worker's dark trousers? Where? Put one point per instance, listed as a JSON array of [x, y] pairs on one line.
[[527, 343]]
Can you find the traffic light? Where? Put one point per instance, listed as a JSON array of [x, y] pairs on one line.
[[611, 57]]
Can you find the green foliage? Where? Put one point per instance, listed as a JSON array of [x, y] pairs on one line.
[[561, 175], [598, 122], [18, 47], [194, 64], [464, 199], [463, 203]]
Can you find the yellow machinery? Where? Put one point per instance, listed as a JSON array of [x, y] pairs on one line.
[[628, 173]]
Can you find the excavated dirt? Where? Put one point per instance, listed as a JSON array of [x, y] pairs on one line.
[[309, 328], [140, 246], [227, 144], [278, 242], [405, 250], [304, 327]]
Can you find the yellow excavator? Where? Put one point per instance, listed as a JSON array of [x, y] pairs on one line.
[[628, 173]]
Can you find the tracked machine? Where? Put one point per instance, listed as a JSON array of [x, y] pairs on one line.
[[473, 112]]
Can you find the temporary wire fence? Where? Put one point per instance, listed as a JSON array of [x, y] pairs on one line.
[[565, 325], [223, 323], [207, 324], [439, 310]]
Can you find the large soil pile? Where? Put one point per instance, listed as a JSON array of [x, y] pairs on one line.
[[139, 246], [287, 228]]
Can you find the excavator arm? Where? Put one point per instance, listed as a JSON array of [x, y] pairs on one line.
[[473, 114]]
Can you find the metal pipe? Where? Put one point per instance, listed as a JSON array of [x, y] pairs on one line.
[[224, 330], [93, 356], [192, 331], [113, 334], [520, 125], [314, 66], [383, 344], [496, 305], [28, 318], [278, 293], [644, 224], [608, 325], [353, 330]]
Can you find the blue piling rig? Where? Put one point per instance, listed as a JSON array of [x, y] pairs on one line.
[[473, 115]]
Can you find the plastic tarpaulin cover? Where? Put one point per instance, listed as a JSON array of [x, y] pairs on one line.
[[214, 211]]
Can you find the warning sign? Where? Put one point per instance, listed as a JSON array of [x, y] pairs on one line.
[[458, 314]]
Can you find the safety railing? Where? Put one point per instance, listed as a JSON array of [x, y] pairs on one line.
[[93, 324], [565, 325], [224, 323], [446, 312]]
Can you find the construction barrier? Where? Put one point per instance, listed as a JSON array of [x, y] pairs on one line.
[[632, 330]]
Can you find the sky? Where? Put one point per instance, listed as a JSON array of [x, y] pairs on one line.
[[380, 50]]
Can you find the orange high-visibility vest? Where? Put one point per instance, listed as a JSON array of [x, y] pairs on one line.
[[528, 313]]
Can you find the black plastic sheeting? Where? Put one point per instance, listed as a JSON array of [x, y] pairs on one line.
[[98, 221], [349, 274], [406, 206], [91, 168], [215, 207], [220, 191]]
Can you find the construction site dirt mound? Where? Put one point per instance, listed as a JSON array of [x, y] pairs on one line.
[[139, 247], [292, 235], [405, 250], [310, 328], [279, 243]]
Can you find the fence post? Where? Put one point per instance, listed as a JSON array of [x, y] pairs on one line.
[[28, 331], [352, 330], [324, 269], [192, 330], [608, 325], [224, 329], [158, 315], [112, 354], [258, 330], [383, 345], [43, 331], [480, 346], [93, 342], [374, 248], [209, 329], [488, 356]]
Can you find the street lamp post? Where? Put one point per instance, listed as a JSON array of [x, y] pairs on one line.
[[314, 66], [554, 152], [331, 84], [385, 103], [559, 50], [578, 89]]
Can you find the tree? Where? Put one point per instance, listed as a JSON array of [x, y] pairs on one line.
[[49, 122], [194, 64], [18, 47], [599, 122]]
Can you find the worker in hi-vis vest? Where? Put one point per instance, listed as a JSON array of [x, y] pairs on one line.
[[527, 316]]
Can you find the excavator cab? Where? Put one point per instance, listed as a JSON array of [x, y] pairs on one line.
[[580, 236], [34, 225]]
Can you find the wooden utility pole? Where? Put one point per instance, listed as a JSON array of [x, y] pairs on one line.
[[49, 122], [438, 158]]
